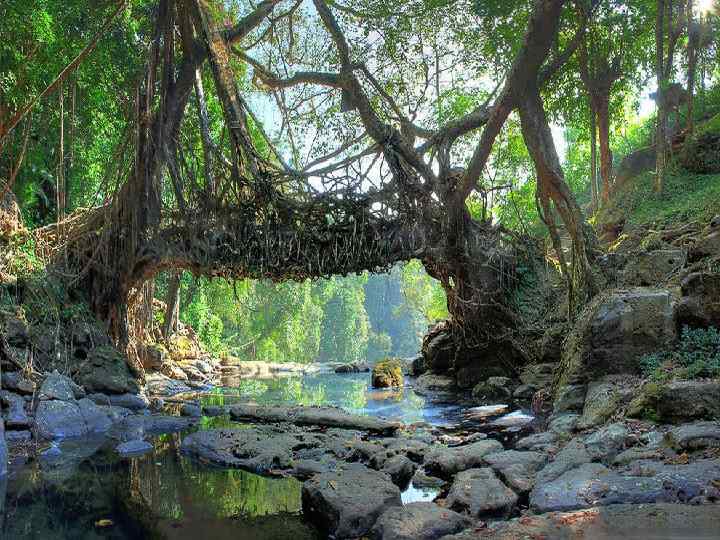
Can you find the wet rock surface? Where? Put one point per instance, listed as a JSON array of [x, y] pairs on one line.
[[347, 503], [312, 416], [446, 462], [480, 493], [418, 521]]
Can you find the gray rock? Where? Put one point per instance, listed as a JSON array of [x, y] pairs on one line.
[[564, 424], [16, 332], [607, 442], [538, 441], [97, 419], [517, 469], [56, 419], [57, 386], [134, 448], [569, 397], [213, 411], [431, 384], [400, 470], [494, 388], [525, 391], [649, 268], [423, 480], [571, 456], [446, 462], [480, 493], [15, 437], [312, 416], [106, 372], [647, 482], [16, 382], [161, 385], [16, 417], [418, 521], [696, 436], [601, 403], [346, 504], [538, 375], [259, 449], [134, 402], [418, 366], [3, 451], [684, 401], [190, 409], [615, 331]]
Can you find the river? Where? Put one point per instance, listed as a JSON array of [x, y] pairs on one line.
[[83, 490]]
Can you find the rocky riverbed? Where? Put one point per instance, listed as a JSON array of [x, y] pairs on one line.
[[354, 476]]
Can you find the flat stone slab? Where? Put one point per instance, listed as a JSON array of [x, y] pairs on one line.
[[517, 469], [134, 448], [593, 484], [261, 449], [16, 417], [696, 435], [446, 462], [480, 493], [347, 503], [312, 416], [628, 521], [419, 521]]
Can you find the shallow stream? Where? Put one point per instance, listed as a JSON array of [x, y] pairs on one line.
[[83, 490]]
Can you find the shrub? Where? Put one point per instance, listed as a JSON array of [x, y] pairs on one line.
[[696, 355]]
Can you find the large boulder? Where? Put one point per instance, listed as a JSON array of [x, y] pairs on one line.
[[612, 334], [518, 469], [702, 153], [677, 401], [634, 164], [57, 386], [593, 484], [387, 374], [153, 355], [16, 382], [445, 462], [699, 306], [418, 521], [480, 493], [438, 348], [16, 417], [55, 419], [184, 346], [106, 372], [650, 268], [347, 503], [494, 389]]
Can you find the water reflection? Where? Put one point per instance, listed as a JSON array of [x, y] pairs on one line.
[[160, 495], [349, 391]]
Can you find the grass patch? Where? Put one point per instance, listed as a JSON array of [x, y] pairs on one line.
[[685, 197]]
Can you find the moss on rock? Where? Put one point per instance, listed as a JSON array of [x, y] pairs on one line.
[[387, 374]]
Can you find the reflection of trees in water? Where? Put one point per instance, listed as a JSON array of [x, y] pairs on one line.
[[176, 488]]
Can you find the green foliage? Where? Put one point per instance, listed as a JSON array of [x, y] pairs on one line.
[[696, 355], [423, 293], [685, 197]]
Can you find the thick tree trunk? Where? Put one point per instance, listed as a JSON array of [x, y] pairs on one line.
[[661, 127], [477, 272], [593, 160], [552, 185], [603, 117], [693, 43], [172, 309]]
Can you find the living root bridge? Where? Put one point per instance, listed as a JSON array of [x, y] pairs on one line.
[[235, 245]]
